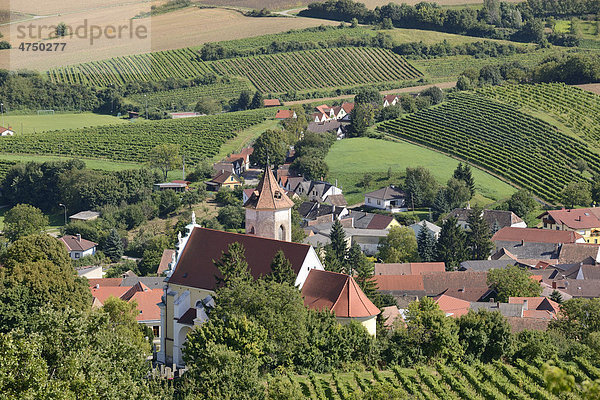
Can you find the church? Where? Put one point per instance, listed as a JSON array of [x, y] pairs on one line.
[[191, 279]]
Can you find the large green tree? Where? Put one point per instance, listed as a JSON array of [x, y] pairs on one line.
[[426, 244], [23, 220], [479, 237], [576, 194], [338, 248], [463, 173], [521, 203], [113, 246], [578, 318], [513, 281], [232, 265], [400, 245], [359, 266], [451, 246], [485, 335], [270, 144], [165, 157], [281, 269], [420, 186]]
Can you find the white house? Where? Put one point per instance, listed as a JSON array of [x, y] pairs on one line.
[[388, 198], [6, 131], [78, 247], [390, 100], [316, 190]]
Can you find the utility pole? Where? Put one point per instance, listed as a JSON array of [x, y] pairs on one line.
[[183, 167], [65, 207], [146, 98], [2, 107]]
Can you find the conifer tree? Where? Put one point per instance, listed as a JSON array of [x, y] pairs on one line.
[[451, 245], [337, 247], [281, 270], [359, 266], [113, 247], [463, 173], [479, 237], [257, 100], [426, 244], [233, 265]]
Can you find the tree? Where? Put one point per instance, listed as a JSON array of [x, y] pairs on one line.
[[435, 93], [576, 194], [368, 95], [581, 165], [485, 335], [463, 83], [113, 246], [420, 186], [244, 101], [189, 198], [556, 296], [296, 126], [337, 249], [366, 180], [457, 193], [271, 145], [37, 272], [521, 203], [281, 270], [232, 265], [62, 30], [257, 100], [512, 281], [202, 172], [167, 202], [451, 246], [359, 266], [232, 217], [578, 318], [23, 220], [426, 244], [311, 167], [463, 173], [207, 106], [479, 238], [165, 157], [398, 246]]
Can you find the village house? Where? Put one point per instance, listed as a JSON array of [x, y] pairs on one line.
[[584, 221], [433, 228], [223, 179], [78, 247], [389, 198], [84, 216], [6, 131], [341, 295], [409, 268], [285, 114], [390, 100], [315, 190], [272, 103], [496, 219], [177, 186]]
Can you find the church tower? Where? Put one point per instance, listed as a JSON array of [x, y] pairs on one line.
[[269, 210]]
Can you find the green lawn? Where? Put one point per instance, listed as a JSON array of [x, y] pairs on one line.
[[39, 123], [350, 159], [104, 165]]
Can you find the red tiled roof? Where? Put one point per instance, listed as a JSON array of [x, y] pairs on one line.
[[452, 305], [284, 114], [537, 303], [380, 221], [571, 253], [348, 107], [534, 235], [271, 102], [269, 195], [104, 282], [323, 108], [103, 293], [399, 282], [165, 260], [147, 301], [181, 181], [223, 176], [578, 218], [196, 268], [390, 98], [338, 293], [390, 315], [74, 244], [409, 268]]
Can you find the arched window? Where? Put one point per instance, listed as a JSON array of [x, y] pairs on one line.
[[281, 233], [251, 231], [277, 194]]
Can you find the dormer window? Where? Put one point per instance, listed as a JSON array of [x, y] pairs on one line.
[[277, 195]]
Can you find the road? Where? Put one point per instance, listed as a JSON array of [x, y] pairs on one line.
[[412, 89]]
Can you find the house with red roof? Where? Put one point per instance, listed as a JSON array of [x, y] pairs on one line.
[[584, 221], [341, 295], [78, 247], [223, 179], [272, 103], [6, 131], [390, 100], [285, 114]]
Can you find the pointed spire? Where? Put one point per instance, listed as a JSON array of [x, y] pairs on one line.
[[269, 195]]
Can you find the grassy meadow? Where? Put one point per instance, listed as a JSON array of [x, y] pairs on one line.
[[350, 159]]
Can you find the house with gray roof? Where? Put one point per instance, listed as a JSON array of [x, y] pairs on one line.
[[433, 228], [496, 219], [315, 190], [389, 198]]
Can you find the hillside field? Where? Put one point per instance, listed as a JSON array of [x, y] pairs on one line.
[[29, 124], [350, 159]]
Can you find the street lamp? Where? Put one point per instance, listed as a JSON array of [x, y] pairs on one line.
[[2, 108], [146, 98], [65, 207]]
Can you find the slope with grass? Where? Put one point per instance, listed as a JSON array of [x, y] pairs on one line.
[[313, 69], [523, 149], [477, 381], [578, 109], [350, 159], [198, 137]]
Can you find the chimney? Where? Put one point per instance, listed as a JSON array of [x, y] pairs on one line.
[[97, 286], [79, 237], [553, 284], [492, 300], [525, 305]]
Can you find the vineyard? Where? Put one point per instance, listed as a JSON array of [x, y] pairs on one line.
[[313, 69], [185, 99], [181, 63], [498, 137], [496, 381], [198, 137], [576, 108]]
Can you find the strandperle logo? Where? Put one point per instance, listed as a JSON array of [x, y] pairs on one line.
[[32, 31]]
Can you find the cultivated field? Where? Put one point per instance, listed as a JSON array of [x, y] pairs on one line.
[[198, 137], [178, 29], [292, 4], [350, 159], [501, 139], [319, 68], [39, 123], [522, 380]]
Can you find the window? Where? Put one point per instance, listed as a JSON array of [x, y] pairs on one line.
[[77, 255], [378, 202], [281, 233], [156, 331], [277, 195], [368, 199]]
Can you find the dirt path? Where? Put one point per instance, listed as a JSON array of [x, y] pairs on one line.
[[412, 89]]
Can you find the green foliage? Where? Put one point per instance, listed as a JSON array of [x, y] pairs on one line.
[[113, 247], [521, 203], [485, 335], [359, 266], [479, 237], [207, 106], [257, 101], [311, 167], [398, 246], [426, 244], [165, 157], [283, 388], [281, 270], [451, 246], [167, 202], [232, 217], [463, 173], [420, 186], [368, 95], [578, 318], [336, 251], [576, 194], [270, 144], [513, 281], [233, 266], [23, 220]]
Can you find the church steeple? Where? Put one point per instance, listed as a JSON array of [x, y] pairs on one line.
[[268, 210]]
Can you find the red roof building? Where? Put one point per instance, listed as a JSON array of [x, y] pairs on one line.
[[409, 268], [533, 235], [285, 114], [272, 103]]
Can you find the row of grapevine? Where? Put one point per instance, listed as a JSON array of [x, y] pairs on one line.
[[498, 137], [319, 68], [180, 99], [574, 107], [181, 63], [495, 381], [198, 137]]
